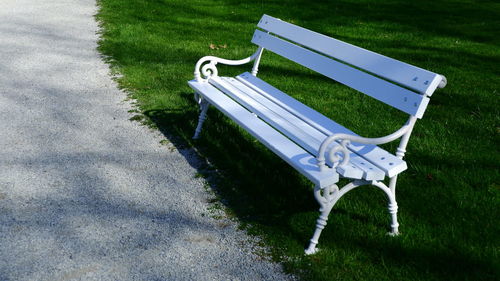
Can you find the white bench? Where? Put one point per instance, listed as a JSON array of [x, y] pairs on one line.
[[314, 145]]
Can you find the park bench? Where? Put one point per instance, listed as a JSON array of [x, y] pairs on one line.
[[316, 146]]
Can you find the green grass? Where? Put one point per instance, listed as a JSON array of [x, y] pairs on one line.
[[449, 197]]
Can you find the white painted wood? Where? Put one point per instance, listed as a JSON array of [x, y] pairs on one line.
[[391, 94], [384, 160], [371, 153], [418, 79], [294, 132], [290, 152], [359, 167], [358, 163], [292, 126]]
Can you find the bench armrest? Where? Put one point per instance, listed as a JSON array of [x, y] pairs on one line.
[[210, 68], [345, 139]]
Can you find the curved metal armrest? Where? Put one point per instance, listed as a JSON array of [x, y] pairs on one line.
[[345, 139], [210, 69]]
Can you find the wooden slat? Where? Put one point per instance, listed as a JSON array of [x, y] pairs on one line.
[[372, 153], [305, 135], [293, 154], [391, 94], [295, 132], [418, 79], [294, 128]]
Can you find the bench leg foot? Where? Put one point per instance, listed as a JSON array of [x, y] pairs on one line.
[[320, 225], [311, 250], [326, 200], [393, 210], [203, 115], [393, 205]]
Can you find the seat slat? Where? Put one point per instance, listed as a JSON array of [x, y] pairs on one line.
[[295, 133], [359, 167], [262, 106], [293, 127], [418, 79], [391, 94], [293, 154], [372, 153], [288, 123]]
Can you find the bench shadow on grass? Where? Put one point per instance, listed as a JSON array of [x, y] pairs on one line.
[[256, 193]]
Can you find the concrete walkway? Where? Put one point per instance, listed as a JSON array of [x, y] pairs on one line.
[[86, 194]]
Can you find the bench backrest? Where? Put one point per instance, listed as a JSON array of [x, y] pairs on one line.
[[398, 84]]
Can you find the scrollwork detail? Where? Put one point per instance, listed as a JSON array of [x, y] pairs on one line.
[[339, 155], [209, 70], [326, 196]]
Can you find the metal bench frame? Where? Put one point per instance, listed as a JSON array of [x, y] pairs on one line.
[[398, 84]]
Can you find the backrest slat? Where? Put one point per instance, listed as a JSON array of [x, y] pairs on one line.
[[415, 78], [391, 94]]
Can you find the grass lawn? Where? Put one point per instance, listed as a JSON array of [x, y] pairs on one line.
[[449, 198]]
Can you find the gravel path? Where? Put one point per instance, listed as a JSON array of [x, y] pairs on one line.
[[86, 194]]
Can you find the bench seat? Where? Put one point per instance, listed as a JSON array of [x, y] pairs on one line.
[[293, 154], [300, 126]]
